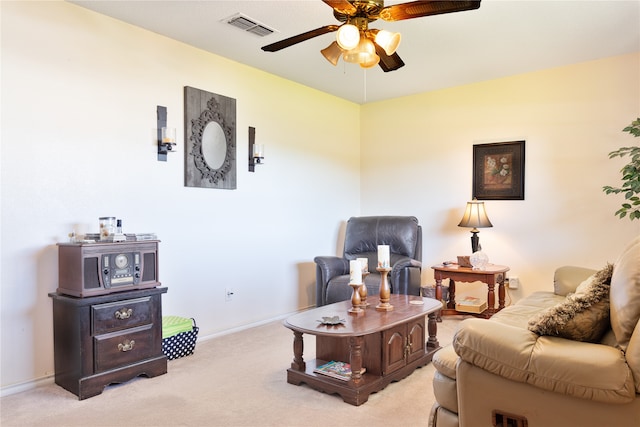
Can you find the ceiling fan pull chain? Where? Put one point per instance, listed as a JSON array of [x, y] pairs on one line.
[[365, 85]]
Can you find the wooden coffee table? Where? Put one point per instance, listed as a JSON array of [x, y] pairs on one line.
[[389, 345]]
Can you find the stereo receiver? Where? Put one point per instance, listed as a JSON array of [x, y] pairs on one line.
[[90, 269]]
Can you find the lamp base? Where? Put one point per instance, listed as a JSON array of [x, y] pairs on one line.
[[475, 240]]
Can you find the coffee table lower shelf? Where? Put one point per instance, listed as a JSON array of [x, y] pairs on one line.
[[352, 393]]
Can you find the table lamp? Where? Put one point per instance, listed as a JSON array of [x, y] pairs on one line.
[[475, 217]]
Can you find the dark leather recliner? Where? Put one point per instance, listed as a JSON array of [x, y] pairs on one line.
[[403, 234]]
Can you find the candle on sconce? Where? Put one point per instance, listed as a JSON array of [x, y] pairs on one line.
[[168, 134], [355, 271], [364, 264], [258, 150], [383, 256]]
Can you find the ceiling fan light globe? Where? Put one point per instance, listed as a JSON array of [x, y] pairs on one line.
[[371, 64], [351, 56], [332, 53], [348, 36], [388, 41], [363, 53]]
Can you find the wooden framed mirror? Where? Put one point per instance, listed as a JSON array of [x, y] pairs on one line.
[[210, 140]]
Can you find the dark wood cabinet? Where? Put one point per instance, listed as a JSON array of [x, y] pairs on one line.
[[107, 339]]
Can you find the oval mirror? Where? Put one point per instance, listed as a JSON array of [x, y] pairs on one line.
[[214, 145]]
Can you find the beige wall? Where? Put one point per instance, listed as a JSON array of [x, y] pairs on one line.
[[79, 97], [417, 157]]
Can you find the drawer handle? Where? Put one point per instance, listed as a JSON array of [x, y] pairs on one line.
[[124, 313], [126, 346]]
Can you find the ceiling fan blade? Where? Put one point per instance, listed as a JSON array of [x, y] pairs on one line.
[[274, 47], [388, 62], [341, 6], [417, 9]]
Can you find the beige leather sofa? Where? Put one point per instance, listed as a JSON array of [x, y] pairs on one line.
[[498, 372]]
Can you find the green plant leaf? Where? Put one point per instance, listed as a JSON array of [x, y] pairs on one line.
[[630, 175]]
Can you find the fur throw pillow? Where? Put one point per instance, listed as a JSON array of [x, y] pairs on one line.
[[583, 315]]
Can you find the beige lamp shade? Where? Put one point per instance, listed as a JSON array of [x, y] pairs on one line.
[[475, 216]]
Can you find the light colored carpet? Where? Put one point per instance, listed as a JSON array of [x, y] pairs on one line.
[[233, 380]]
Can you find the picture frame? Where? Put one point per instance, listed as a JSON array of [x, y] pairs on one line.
[[498, 171]]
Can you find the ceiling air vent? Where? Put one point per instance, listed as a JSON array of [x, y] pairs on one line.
[[250, 25]]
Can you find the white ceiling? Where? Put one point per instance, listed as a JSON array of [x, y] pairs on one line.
[[499, 39]]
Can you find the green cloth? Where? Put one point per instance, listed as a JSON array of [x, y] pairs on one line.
[[173, 325]]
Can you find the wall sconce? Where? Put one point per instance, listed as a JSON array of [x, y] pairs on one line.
[[166, 135], [256, 151]]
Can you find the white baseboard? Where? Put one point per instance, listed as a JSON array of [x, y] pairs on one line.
[[25, 386], [250, 325]]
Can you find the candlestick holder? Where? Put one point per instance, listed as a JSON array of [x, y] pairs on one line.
[[355, 299], [363, 291], [385, 290]]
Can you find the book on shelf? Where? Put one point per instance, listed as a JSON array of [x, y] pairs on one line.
[[471, 305], [336, 369]]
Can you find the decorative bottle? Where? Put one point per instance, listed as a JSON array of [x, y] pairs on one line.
[[479, 259]]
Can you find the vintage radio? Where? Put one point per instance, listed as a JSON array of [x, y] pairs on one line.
[[89, 269]]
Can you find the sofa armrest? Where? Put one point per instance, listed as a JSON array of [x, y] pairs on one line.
[[580, 369], [332, 266], [566, 279], [328, 267], [495, 347], [405, 276], [404, 262]]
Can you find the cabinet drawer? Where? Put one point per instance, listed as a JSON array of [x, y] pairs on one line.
[[124, 347], [120, 315]]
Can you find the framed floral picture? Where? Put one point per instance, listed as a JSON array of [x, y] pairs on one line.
[[498, 171]]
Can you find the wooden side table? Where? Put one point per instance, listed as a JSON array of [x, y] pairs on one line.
[[490, 275]]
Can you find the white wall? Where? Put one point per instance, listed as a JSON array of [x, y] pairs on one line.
[[418, 158], [79, 97]]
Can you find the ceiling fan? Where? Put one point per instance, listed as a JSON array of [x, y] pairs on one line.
[[357, 43]]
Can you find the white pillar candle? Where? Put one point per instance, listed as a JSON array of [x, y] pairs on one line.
[[355, 272], [168, 134], [258, 150], [364, 264], [383, 256]]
